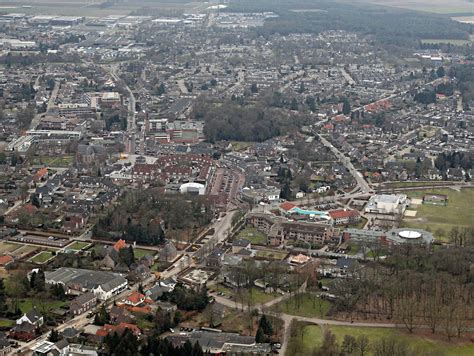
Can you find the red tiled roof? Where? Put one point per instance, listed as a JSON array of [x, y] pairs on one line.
[[135, 297], [120, 244], [4, 260], [41, 173], [29, 209], [340, 214], [120, 328], [287, 206]]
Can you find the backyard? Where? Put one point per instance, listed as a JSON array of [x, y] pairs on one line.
[[140, 252], [41, 305], [441, 219]]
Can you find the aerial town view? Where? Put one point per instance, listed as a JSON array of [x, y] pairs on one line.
[[237, 177]]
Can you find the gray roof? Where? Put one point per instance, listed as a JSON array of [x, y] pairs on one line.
[[85, 298], [87, 279], [213, 340], [33, 315], [241, 243]]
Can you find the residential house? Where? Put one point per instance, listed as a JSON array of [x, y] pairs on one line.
[[33, 317], [24, 332], [83, 303], [168, 253], [119, 329], [215, 258], [167, 307], [344, 217], [134, 299], [240, 244]]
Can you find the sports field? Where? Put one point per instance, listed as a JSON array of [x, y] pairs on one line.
[[441, 219]]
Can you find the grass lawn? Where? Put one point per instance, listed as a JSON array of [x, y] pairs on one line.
[[140, 252], [353, 249], [41, 305], [273, 255], [253, 235], [247, 296], [98, 247], [56, 161], [77, 245], [5, 323], [411, 184], [360, 224], [441, 219], [8, 247], [41, 257], [145, 324], [313, 336], [304, 305]]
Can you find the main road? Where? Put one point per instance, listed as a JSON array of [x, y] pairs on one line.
[[131, 123], [361, 182]]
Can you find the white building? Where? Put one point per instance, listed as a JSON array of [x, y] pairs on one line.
[[193, 188], [387, 204]]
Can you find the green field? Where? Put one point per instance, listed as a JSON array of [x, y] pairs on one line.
[[41, 257], [435, 6], [41, 305], [272, 255], [313, 336], [77, 245], [441, 219], [412, 184], [253, 235], [58, 161], [247, 296], [140, 252], [91, 8], [304, 305]]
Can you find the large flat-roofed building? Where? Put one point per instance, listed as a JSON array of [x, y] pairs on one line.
[[387, 204], [222, 343], [76, 109], [22, 145], [44, 135], [279, 228], [392, 237], [103, 284]]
